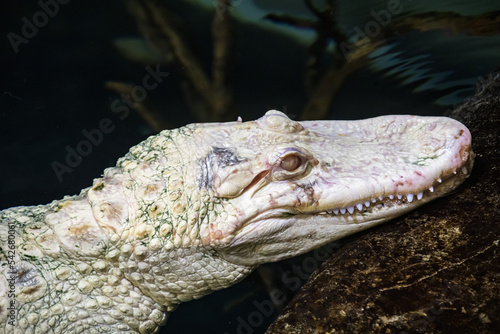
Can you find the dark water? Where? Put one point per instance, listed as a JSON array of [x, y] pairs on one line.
[[52, 90]]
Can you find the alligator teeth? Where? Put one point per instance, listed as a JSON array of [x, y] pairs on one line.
[[359, 206], [464, 170]]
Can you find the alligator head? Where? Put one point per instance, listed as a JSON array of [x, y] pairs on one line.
[[288, 187]]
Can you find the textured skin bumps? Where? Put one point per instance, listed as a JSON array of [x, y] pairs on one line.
[[195, 209]]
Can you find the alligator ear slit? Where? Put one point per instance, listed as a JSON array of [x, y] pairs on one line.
[[256, 180]]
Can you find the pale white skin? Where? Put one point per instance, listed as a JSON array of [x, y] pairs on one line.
[[196, 209]]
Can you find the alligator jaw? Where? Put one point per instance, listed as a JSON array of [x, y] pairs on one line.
[[378, 206]]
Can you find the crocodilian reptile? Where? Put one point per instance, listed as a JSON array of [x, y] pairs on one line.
[[195, 209]]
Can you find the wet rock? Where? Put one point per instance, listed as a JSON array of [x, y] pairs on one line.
[[436, 270]]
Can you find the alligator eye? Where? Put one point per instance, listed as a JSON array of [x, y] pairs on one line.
[[291, 162]]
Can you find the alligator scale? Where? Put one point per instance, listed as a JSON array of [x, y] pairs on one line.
[[196, 209]]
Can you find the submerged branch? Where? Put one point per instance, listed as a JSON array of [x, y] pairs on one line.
[[222, 66], [210, 99], [487, 24], [151, 116]]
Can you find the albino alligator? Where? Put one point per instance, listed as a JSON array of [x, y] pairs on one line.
[[193, 210]]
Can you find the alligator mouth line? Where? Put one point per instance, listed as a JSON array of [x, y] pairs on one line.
[[394, 200]]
